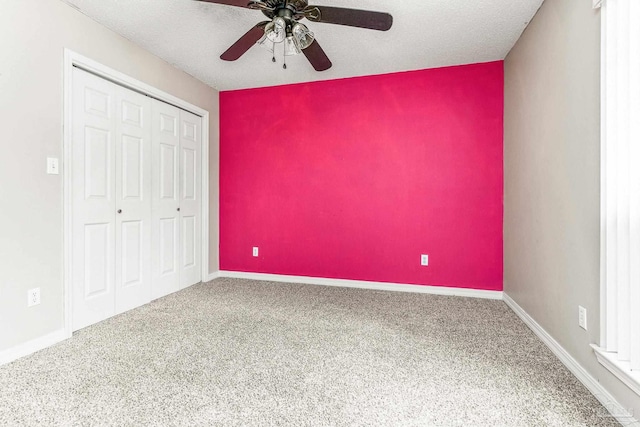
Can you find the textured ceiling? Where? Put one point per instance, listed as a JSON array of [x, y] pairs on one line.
[[426, 33]]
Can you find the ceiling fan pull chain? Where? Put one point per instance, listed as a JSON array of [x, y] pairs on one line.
[[284, 54], [273, 50]]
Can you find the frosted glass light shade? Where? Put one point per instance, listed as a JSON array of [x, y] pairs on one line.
[[302, 37], [290, 47], [266, 43], [276, 30]]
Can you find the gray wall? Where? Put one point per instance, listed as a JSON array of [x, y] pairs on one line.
[[552, 179], [33, 35]]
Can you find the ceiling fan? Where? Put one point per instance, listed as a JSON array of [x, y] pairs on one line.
[[284, 27]]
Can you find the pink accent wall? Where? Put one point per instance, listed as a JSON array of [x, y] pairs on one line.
[[355, 178]]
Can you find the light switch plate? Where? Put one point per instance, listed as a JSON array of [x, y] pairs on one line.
[[52, 166], [582, 317]]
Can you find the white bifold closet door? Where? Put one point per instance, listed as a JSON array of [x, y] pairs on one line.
[[136, 199], [177, 137], [111, 199]]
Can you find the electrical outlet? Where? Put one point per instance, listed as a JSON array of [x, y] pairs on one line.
[[424, 259], [255, 251], [582, 317], [33, 297]]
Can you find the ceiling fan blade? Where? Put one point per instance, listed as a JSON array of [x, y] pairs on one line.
[[238, 3], [244, 43], [352, 17], [317, 57]]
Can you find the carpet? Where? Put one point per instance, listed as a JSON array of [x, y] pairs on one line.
[[235, 352]]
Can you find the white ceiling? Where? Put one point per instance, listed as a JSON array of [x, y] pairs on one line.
[[426, 33]]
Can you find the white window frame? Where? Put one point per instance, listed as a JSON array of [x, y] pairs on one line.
[[619, 349]]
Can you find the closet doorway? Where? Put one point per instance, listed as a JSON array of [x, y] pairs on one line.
[[135, 175]]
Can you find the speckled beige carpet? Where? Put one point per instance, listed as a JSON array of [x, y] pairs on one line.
[[241, 353]]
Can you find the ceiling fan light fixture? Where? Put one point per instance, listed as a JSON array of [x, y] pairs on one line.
[[266, 43], [276, 30], [302, 37], [283, 27], [290, 46]]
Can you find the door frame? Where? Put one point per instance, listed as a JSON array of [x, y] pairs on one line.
[[74, 59]]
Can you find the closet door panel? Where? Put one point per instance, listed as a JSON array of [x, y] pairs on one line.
[[165, 199], [190, 199], [168, 244], [133, 200], [93, 191]]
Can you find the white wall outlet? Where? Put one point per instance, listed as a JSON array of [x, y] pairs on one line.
[[424, 259], [582, 317], [33, 297], [52, 166], [255, 251]]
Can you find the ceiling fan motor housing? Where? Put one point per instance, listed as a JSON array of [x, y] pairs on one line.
[[290, 9]]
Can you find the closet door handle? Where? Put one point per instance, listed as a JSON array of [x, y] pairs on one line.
[[119, 210], [178, 209]]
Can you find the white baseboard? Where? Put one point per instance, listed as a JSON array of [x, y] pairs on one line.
[[380, 286], [607, 400], [32, 346], [212, 276]]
